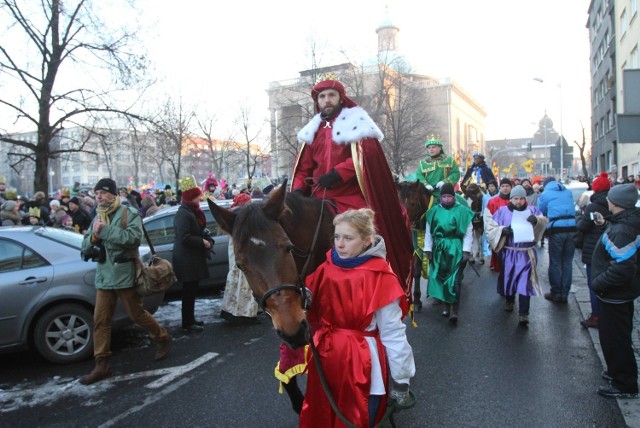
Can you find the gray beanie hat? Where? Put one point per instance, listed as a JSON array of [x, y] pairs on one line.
[[9, 205], [623, 195], [518, 191]]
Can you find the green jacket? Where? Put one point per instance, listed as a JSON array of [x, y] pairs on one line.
[[121, 244], [432, 172]]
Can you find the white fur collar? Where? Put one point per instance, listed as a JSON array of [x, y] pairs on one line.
[[352, 125]]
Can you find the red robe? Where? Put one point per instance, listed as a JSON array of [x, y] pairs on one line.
[[344, 302], [493, 205]]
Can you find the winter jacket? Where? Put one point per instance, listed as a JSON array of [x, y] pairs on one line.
[[189, 253], [121, 245], [556, 203], [590, 230], [615, 266]]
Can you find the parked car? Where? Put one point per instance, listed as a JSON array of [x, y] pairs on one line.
[[48, 294], [160, 229]]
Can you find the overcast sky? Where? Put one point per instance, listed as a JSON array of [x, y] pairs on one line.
[[217, 54]]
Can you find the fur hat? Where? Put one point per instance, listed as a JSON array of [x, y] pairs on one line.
[[506, 180], [447, 189], [108, 185], [518, 191], [190, 189], [601, 183], [623, 195]]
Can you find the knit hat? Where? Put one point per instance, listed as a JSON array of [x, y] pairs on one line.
[[9, 205], [54, 202], [623, 195], [548, 180], [478, 155], [108, 185], [601, 183], [447, 189], [506, 180], [190, 189], [518, 191], [74, 200]]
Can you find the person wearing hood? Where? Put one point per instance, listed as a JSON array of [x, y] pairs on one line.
[[447, 244], [591, 235], [556, 203], [615, 270], [518, 260], [479, 173], [357, 314]]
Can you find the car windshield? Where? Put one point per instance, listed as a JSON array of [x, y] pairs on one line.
[[62, 236]]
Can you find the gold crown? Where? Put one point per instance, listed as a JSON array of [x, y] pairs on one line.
[[433, 139], [65, 191], [11, 195], [188, 183], [34, 212], [3, 180], [325, 76]]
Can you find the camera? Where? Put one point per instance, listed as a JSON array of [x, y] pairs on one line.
[[95, 253]]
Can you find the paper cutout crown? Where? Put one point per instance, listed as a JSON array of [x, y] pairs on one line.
[[188, 183], [65, 191], [34, 212]]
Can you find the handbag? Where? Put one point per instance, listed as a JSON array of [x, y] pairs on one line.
[[154, 276]]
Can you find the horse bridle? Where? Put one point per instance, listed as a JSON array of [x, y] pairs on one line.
[[305, 293]]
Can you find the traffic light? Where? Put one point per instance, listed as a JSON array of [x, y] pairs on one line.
[[529, 145]]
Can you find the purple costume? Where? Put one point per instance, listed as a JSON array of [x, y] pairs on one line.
[[518, 260]]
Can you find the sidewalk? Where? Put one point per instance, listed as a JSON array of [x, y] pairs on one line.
[[630, 408]]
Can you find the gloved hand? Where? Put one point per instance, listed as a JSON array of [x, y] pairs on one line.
[[329, 179], [400, 393], [440, 184], [465, 256], [429, 187], [507, 231], [532, 219], [429, 255], [299, 192]]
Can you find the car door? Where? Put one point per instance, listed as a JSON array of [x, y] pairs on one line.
[[218, 262], [24, 278]]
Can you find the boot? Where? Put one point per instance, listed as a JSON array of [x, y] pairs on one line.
[[453, 317], [163, 349], [102, 370]]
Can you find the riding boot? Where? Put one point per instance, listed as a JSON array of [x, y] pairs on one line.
[[417, 304], [295, 395], [102, 370], [453, 317]]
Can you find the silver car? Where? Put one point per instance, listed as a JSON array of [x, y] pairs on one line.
[[47, 294]]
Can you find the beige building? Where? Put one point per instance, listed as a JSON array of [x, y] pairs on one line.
[[441, 106]]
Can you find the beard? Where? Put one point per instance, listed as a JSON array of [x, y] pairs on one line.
[[330, 111]]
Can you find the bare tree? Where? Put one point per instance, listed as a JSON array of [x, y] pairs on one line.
[[64, 38], [252, 151], [582, 148], [172, 133], [219, 151]]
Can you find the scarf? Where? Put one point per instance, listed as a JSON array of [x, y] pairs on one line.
[[349, 263], [103, 212], [195, 207]]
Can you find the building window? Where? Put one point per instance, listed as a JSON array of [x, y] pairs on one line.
[[634, 57], [624, 23], [633, 8]]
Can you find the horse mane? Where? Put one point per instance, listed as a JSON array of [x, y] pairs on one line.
[[252, 219]]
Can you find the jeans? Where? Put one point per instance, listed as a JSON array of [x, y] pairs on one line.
[[561, 250], [592, 295], [103, 313]]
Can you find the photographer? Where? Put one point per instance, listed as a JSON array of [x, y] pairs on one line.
[[190, 250], [113, 245]]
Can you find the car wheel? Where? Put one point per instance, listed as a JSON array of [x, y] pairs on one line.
[[64, 334]]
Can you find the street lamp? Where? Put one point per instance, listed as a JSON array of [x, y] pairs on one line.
[[51, 174], [540, 80]]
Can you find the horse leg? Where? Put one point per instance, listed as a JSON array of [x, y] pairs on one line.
[[295, 395], [417, 269]]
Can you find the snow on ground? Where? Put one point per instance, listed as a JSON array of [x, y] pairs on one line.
[[30, 394]]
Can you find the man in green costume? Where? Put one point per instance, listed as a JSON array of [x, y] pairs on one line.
[[438, 168], [447, 243]]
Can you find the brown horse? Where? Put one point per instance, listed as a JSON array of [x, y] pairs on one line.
[[416, 199], [277, 243]]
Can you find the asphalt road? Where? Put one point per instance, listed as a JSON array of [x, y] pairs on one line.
[[485, 372]]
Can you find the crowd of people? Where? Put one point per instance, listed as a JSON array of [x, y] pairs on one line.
[[363, 345]]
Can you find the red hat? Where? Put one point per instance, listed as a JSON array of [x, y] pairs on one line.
[[601, 183], [240, 199], [331, 84]]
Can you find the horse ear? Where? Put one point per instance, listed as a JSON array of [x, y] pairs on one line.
[[275, 203], [224, 217]]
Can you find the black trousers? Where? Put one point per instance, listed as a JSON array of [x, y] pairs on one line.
[[189, 291], [615, 327]]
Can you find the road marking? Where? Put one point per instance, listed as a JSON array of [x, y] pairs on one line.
[[180, 370]]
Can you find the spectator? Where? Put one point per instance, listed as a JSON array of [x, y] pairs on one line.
[[10, 213], [117, 240], [56, 214], [81, 219], [616, 281], [556, 203]]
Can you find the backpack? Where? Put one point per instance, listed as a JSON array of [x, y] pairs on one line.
[[154, 276]]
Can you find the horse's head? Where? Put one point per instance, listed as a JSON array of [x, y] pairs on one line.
[[415, 197], [263, 252]]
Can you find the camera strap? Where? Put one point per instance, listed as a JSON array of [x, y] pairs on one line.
[[124, 223]]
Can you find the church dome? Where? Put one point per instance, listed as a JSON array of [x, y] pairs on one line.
[[546, 122]]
